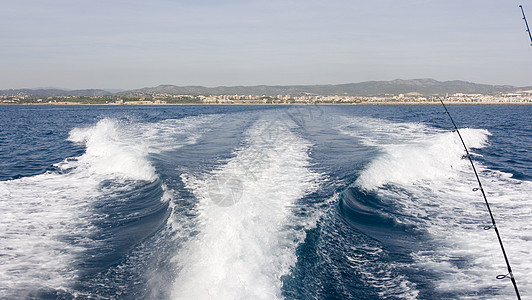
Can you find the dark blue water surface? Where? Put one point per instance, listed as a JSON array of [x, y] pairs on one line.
[[122, 200]]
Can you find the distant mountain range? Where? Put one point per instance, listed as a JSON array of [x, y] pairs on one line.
[[425, 87]]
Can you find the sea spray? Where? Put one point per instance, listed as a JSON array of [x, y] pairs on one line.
[[107, 153], [433, 157]]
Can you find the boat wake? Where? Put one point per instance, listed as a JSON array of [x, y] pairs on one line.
[[422, 173], [250, 218]]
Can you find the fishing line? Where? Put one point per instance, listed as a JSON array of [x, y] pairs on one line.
[[493, 224], [529, 34], [526, 23]]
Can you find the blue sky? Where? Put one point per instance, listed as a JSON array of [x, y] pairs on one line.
[[132, 44]]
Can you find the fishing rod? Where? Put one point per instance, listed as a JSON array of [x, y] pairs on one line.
[[526, 23], [494, 225]]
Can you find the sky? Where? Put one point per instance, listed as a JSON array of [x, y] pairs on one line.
[[119, 44]]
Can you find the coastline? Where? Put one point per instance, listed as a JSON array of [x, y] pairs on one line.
[[262, 104]]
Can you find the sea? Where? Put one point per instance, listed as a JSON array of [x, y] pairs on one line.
[[264, 202]]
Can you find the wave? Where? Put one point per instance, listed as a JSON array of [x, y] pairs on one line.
[[60, 228], [248, 230], [373, 217], [424, 175], [120, 149], [107, 153], [411, 152], [436, 156]]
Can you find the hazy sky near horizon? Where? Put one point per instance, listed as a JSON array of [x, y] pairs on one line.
[[132, 44]]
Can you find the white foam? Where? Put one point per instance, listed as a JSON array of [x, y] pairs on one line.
[[45, 220], [247, 237], [423, 173], [434, 157], [42, 225], [109, 153], [375, 270], [467, 257], [122, 149]]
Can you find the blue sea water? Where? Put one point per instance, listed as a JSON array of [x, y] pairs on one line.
[[262, 202]]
